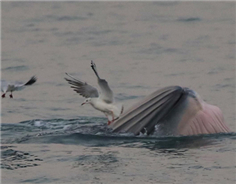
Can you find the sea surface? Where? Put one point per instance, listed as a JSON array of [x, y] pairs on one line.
[[138, 47]]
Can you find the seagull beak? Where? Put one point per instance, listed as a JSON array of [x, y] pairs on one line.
[[82, 103]]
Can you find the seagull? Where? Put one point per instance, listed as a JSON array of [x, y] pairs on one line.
[[15, 86], [103, 102]]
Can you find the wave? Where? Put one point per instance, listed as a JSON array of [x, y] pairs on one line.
[[93, 131]]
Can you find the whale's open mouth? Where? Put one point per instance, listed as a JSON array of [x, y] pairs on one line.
[[171, 108]]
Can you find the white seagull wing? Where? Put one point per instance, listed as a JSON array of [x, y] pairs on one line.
[[82, 88], [20, 85], [106, 94]]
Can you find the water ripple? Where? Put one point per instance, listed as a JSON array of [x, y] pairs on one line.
[[93, 131]]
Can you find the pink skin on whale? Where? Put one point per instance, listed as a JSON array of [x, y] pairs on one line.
[[208, 120]]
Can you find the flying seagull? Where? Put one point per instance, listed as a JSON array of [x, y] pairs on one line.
[[103, 102], [15, 86], [172, 110]]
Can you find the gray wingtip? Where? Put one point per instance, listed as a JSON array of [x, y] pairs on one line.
[[70, 76], [67, 74], [31, 81]]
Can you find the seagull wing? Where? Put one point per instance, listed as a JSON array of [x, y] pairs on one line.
[[31, 81], [21, 85], [106, 94], [82, 88]]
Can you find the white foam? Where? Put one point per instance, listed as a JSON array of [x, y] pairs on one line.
[[38, 123]]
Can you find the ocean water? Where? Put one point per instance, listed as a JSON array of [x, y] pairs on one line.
[[138, 47]]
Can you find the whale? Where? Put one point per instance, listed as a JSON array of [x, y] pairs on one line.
[[172, 110]]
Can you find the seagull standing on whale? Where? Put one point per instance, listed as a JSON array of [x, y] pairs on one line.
[[7, 86], [103, 102]]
